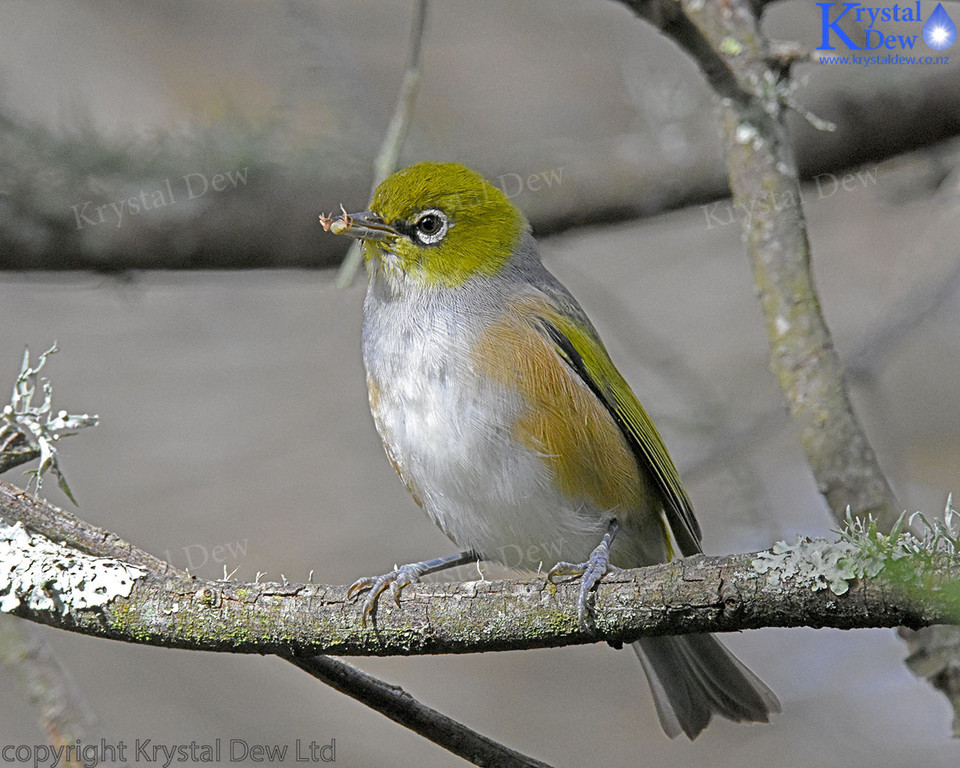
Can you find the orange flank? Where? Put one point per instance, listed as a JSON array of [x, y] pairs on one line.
[[564, 421]]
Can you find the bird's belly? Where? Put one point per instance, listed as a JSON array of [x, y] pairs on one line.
[[450, 435]]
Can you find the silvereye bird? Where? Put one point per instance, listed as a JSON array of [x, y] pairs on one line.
[[511, 427]]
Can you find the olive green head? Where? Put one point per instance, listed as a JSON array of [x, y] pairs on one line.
[[435, 224]]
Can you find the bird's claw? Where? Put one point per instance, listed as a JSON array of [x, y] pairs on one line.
[[395, 580], [590, 573]]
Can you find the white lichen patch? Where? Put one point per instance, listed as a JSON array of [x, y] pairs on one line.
[[45, 576], [746, 134]]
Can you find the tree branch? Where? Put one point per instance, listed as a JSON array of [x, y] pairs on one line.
[[391, 701], [389, 155], [402, 708], [17, 455], [764, 181], [671, 18], [698, 594], [59, 585]]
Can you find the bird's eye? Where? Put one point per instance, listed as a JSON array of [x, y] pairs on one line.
[[431, 226]]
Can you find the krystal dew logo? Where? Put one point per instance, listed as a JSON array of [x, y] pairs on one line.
[[938, 31]]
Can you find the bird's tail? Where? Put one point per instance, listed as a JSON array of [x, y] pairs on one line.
[[694, 676]]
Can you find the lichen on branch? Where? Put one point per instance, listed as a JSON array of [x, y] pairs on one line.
[[30, 429], [860, 581]]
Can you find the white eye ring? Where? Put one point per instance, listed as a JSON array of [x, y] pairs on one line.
[[431, 226]]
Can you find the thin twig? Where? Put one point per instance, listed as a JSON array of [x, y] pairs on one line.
[[389, 155], [669, 17], [402, 708]]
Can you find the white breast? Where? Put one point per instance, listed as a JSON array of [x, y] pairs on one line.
[[449, 432]]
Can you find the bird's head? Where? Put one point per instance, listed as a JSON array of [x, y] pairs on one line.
[[435, 224]]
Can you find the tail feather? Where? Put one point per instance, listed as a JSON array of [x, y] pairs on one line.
[[694, 676]]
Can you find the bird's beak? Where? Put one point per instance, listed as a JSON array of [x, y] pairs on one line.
[[365, 225]]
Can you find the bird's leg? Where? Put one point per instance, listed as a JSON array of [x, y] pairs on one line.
[[401, 577], [589, 572]]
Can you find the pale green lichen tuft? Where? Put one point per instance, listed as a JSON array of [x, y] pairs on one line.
[[38, 424], [731, 47], [863, 551], [815, 563]]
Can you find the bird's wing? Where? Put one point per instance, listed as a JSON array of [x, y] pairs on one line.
[[584, 353]]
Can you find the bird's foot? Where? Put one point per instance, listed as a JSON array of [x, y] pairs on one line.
[[395, 580], [590, 573], [401, 577]]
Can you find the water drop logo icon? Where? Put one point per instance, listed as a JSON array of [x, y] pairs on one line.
[[939, 32]]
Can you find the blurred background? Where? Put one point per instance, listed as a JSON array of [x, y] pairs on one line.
[[234, 428]]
